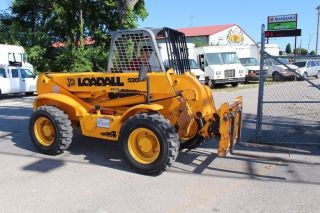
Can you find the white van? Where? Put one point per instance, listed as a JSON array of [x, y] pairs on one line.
[[221, 65], [17, 80]]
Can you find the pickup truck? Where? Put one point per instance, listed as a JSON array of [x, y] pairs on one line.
[[17, 80], [278, 72], [309, 68]]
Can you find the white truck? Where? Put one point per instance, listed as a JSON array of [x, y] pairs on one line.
[[221, 65], [194, 66], [16, 74]]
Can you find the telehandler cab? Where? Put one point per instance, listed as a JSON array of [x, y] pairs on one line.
[[149, 110]]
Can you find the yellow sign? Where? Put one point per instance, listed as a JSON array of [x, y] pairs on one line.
[[235, 36]]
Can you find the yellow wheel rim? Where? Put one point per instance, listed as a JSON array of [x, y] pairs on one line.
[[44, 131], [143, 146]]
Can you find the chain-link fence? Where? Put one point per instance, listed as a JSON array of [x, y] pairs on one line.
[[289, 99]]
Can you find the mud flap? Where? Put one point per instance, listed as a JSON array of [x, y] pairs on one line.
[[230, 126]]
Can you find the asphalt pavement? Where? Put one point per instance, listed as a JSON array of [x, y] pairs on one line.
[[91, 176]]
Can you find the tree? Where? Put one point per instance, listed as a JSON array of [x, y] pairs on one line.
[[199, 42], [36, 25], [300, 51], [288, 49], [128, 9], [313, 53]]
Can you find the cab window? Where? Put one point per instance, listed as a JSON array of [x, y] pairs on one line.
[[267, 63], [25, 73], [3, 73], [309, 64], [14, 73]]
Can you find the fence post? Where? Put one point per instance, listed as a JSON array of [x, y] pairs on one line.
[[261, 87]]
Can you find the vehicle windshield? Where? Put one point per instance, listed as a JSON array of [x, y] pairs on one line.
[[25, 73], [214, 58], [193, 64], [284, 61], [230, 58], [222, 58], [300, 64], [2, 73], [249, 61]]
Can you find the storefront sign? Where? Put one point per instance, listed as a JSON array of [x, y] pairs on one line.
[[283, 22]]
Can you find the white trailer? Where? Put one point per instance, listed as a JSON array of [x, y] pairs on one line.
[[221, 65], [14, 55]]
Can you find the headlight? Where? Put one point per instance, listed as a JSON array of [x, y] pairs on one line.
[[218, 73]]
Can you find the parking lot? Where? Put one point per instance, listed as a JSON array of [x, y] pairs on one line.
[[91, 176]]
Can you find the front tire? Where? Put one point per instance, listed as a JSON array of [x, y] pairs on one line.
[[276, 76], [150, 144], [305, 75], [50, 130], [211, 84]]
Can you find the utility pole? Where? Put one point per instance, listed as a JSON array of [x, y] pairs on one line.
[[318, 10], [81, 25], [191, 20], [309, 42]]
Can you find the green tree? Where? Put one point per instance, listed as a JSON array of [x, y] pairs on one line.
[[300, 51], [288, 49], [37, 24], [313, 53], [199, 43]]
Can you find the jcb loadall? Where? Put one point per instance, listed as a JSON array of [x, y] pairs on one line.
[[149, 110]]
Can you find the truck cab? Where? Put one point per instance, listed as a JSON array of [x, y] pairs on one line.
[[221, 65], [17, 80]]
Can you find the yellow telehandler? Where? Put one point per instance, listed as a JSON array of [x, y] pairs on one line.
[[152, 111]]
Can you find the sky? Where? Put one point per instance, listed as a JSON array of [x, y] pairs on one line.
[[248, 14]]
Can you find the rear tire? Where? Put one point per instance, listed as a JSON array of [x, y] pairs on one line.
[[149, 143], [192, 143], [234, 84], [29, 93], [50, 130]]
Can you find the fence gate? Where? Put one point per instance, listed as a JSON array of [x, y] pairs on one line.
[[289, 102]]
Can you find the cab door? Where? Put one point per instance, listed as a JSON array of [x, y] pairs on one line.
[[15, 80], [314, 70], [5, 81], [28, 80]]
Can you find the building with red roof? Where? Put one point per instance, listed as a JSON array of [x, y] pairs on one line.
[[217, 35]]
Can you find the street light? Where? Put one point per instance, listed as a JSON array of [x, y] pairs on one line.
[[318, 8]]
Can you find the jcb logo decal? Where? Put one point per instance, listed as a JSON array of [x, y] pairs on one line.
[[99, 81], [71, 82]]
